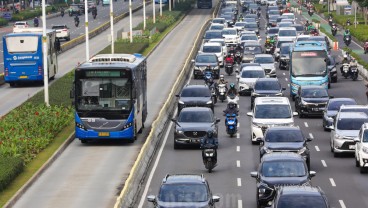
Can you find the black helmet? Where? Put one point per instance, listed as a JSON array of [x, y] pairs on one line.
[[231, 105], [209, 133]]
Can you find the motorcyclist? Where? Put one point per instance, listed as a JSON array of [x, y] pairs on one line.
[[232, 50], [209, 139], [229, 59], [94, 10], [344, 61], [76, 19], [238, 48], [240, 18], [62, 11], [222, 81], [348, 22], [346, 33], [268, 43], [35, 21], [310, 28], [365, 46], [232, 90], [231, 109], [307, 24], [353, 62]]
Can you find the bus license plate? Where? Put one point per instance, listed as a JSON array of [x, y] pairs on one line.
[[103, 134], [23, 77]]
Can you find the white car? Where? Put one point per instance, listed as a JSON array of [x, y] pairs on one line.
[[216, 26], [272, 2], [361, 149], [247, 77], [230, 35], [302, 38], [20, 25], [222, 42], [215, 48], [287, 33], [62, 31], [270, 111], [219, 21], [267, 62], [290, 16], [239, 26]]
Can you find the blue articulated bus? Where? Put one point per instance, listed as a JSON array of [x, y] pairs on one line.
[[23, 56], [308, 65], [110, 97]]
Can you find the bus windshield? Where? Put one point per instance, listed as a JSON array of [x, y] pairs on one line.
[[22, 44], [104, 94], [309, 63]]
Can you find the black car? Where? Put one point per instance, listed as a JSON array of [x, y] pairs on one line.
[[311, 100], [285, 139], [279, 169], [300, 197], [184, 190], [284, 59], [331, 65], [195, 96], [266, 87], [331, 110], [192, 125], [202, 61]]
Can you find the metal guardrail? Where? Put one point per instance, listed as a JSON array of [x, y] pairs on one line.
[[129, 194]]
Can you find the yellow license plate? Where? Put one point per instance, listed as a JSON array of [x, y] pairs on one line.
[[23, 77], [103, 134]]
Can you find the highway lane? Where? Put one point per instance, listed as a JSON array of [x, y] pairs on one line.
[[91, 175], [103, 15], [237, 157]]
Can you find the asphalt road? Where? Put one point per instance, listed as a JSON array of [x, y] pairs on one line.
[[91, 175], [237, 157], [103, 15]]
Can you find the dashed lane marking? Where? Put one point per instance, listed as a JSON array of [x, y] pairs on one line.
[[317, 148], [240, 203], [311, 135], [237, 135], [238, 148], [306, 124], [342, 204], [238, 163], [332, 182], [239, 181], [286, 79], [324, 163]]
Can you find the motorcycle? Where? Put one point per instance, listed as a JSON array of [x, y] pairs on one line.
[[209, 157], [94, 15], [348, 23], [345, 70], [334, 30], [354, 72], [269, 50], [62, 13], [310, 12], [231, 124], [365, 47], [238, 57], [233, 99], [35, 24], [229, 68], [76, 23], [208, 77], [314, 32], [347, 40], [222, 92], [330, 21]]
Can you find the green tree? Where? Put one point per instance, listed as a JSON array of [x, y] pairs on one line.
[[364, 5]]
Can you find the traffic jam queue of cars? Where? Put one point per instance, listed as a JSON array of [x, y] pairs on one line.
[[232, 51]]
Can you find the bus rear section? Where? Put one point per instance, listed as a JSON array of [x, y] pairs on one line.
[[204, 4]]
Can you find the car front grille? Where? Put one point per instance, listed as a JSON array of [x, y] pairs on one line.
[[267, 71], [346, 145], [195, 134]]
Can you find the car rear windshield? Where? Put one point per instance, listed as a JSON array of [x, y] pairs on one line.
[[298, 27], [300, 201], [283, 168], [284, 136], [240, 24], [217, 27], [251, 25], [206, 59], [253, 74], [20, 23], [195, 117], [249, 37], [337, 104], [58, 27], [350, 123], [220, 21], [274, 111], [273, 31], [365, 136], [213, 34], [273, 12], [263, 60], [197, 92], [364, 110], [212, 49], [267, 85], [283, 33], [280, 42], [183, 193], [285, 49], [252, 49], [229, 32], [314, 93]]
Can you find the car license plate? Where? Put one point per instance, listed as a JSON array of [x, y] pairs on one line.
[[23, 77], [195, 140], [103, 134], [351, 146]]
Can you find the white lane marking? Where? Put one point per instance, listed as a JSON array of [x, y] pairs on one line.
[[238, 125], [306, 124], [311, 135], [239, 181], [143, 199], [283, 73], [342, 204], [238, 148], [240, 204], [237, 135], [286, 79], [317, 148], [332, 182], [324, 163], [238, 163]]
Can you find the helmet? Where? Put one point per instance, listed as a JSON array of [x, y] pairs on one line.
[[307, 21], [267, 40], [221, 76], [232, 85], [209, 134], [345, 56], [231, 105]]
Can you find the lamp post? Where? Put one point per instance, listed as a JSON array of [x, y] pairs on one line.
[[112, 27], [355, 20], [44, 48], [87, 35]]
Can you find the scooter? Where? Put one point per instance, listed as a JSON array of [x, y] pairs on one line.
[[62, 13], [354, 72], [229, 68], [334, 30], [231, 124], [330, 21], [222, 92], [233, 99], [209, 157], [345, 70], [208, 77], [238, 57], [347, 40], [365, 47], [310, 12]]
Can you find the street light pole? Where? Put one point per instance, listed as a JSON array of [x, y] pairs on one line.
[[355, 20], [112, 26], [45, 64], [144, 14], [130, 21], [86, 25], [154, 11]]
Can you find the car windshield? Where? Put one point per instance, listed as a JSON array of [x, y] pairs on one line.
[[284, 50], [211, 49], [219, 21], [364, 110], [249, 37], [285, 24], [195, 117], [314, 93], [183, 193], [300, 201], [350, 123], [273, 18], [299, 28], [283, 168], [263, 60], [273, 12], [365, 136], [251, 25], [267, 85], [303, 38], [273, 31], [289, 16], [252, 50], [283, 33], [284, 136], [273, 111], [229, 32], [206, 59], [196, 92], [252, 74], [240, 24], [250, 20], [280, 42], [335, 106], [213, 34], [309, 63]]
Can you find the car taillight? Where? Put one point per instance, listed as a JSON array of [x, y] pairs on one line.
[[65, 30], [39, 70], [6, 71]]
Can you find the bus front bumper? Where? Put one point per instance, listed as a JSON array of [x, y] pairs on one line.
[[126, 134]]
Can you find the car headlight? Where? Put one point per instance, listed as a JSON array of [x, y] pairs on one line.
[[81, 126], [209, 102], [278, 94], [337, 136], [267, 150], [330, 119], [181, 102], [127, 125], [294, 85], [196, 68], [216, 68], [257, 125], [325, 84], [302, 150], [255, 94], [179, 131], [365, 150]]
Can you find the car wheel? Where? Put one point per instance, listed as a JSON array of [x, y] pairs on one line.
[[176, 145], [334, 79], [363, 170], [336, 154], [357, 164]]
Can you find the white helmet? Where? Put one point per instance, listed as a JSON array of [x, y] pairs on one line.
[[221, 76], [345, 56]]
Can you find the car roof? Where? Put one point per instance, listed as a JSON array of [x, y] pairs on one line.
[[195, 86], [300, 190], [184, 178], [275, 156], [284, 128], [355, 115], [263, 55], [354, 107], [271, 100], [267, 79], [212, 44], [252, 68], [287, 28], [341, 99], [288, 14], [251, 43], [196, 109], [249, 64], [206, 54]]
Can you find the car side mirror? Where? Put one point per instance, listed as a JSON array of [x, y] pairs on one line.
[[250, 114], [218, 120], [295, 113], [259, 139], [215, 199], [151, 198], [192, 61], [254, 174], [283, 89], [331, 96], [356, 139], [177, 95], [312, 174], [309, 139]]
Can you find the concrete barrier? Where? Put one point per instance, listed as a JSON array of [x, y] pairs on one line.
[[130, 193]]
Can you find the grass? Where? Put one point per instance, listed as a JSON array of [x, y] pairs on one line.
[[35, 165]]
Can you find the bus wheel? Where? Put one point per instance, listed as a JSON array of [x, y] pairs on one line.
[[12, 84], [84, 141]]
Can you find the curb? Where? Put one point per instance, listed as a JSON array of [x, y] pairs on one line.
[[40, 171]]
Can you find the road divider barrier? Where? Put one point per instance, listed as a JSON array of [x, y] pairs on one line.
[[135, 181]]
